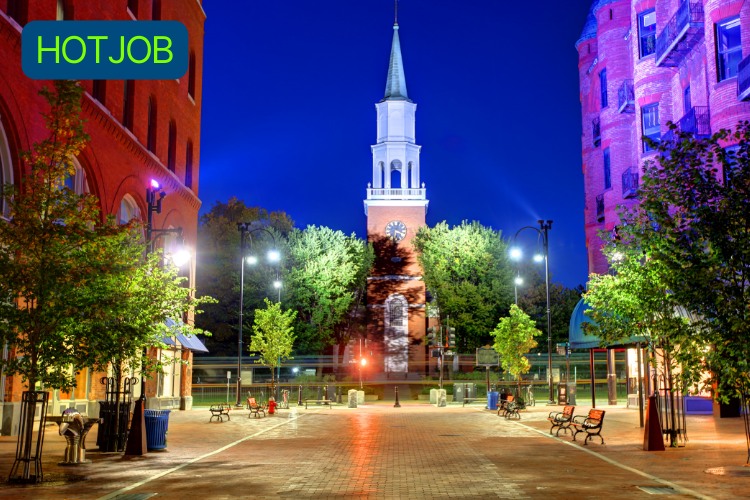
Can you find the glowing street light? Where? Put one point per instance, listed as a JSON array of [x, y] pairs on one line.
[[538, 257], [251, 259], [180, 257], [519, 280], [155, 184], [277, 284], [273, 255], [515, 253], [617, 256]]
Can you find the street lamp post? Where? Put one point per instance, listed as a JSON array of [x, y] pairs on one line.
[[245, 232], [136, 444], [515, 253]]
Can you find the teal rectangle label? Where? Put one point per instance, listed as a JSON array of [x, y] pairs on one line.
[[104, 50]]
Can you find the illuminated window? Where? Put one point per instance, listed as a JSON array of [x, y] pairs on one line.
[[728, 47], [128, 210], [651, 127], [6, 172], [647, 32], [61, 14]]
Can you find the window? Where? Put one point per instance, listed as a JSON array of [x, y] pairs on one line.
[[728, 47], [61, 11], [603, 86], [191, 75], [731, 164], [77, 182], [98, 92], [155, 10], [172, 145], [686, 101], [15, 11], [128, 210], [127, 104], [607, 170], [647, 32], [151, 125], [6, 172], [651, 128], [396, 313], [133, 7], [189, 164]]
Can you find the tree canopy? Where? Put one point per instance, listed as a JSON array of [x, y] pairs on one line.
[[514, 338]]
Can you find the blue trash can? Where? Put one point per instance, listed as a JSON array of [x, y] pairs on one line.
[[492, 398], [157, 424]]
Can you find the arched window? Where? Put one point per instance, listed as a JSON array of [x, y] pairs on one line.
[[191, 75], [77, 182], [172, 145], [127, 104], [396, 313], [128, 210], [189, 164], [98, 90], [396, 174], [61, 14], [155, 10], [6, 170], [151, 126], [381, 175], [411, 181]]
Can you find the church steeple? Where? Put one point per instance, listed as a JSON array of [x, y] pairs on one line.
[[395, 87]]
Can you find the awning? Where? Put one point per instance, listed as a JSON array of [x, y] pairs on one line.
[[580, 340], [189, 342]]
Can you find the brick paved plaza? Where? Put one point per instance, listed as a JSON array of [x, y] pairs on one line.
[[418, 451]]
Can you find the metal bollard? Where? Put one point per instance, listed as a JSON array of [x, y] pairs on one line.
[[397, 405], [325, 394], [299, 398], [339, 394], [319, 396]]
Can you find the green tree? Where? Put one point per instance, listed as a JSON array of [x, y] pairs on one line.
[[273, 335], [327, 279], [514, 338], [218, 268], [467, 272]]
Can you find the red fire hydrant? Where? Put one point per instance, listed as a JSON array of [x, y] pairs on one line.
[[272, 406]]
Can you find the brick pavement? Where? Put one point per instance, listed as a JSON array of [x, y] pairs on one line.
[[384, 452]]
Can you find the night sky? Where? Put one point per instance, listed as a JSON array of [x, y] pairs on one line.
[[289, 89]]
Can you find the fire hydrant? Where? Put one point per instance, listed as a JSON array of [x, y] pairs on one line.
[[272, 406]]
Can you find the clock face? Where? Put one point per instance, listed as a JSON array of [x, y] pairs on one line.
[[395, 231]]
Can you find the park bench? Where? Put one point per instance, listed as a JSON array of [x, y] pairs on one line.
[[318, 401], [255, 408], [219, 411], [561, 419], [503, 404], [513, 406], [591, 424]]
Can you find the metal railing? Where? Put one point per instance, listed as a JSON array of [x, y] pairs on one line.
[[630, 183], [600, 207], [681, 34], [596, 131], [697, 121], [743, 79], [626, 97], [401, 194]]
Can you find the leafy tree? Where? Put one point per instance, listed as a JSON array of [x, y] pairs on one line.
[[218, 268], [273, 334], [694, 222], [50, 250], [466, 270], [514, 337], [327, 280]]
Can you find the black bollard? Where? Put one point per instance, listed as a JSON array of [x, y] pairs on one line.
[[319, 396], [340, 395], [325, 395], [397, 405], [299, 397]]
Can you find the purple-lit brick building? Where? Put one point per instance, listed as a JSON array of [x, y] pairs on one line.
[[643, 64]]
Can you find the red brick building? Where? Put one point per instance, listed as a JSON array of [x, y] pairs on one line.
[[396, 205], [140, 130], [643, 63]]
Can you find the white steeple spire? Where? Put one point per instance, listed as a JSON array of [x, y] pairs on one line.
[[395, 87]]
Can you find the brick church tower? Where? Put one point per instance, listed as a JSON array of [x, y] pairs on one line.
[[395, 207]]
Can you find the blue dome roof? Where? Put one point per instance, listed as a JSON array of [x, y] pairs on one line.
[[589, 29]]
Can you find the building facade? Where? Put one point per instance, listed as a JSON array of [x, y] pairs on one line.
[[643, 63], [140, 130], [395, 207]]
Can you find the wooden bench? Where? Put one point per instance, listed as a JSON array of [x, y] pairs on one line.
[[255, 408], [318, 401], [219, 411], [591, 424], [561, 419]]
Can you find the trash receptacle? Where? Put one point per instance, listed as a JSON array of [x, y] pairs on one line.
[[157, 424], [572, 393], [492, 398]]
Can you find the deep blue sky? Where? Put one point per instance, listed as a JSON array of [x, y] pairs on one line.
[[289, 89]]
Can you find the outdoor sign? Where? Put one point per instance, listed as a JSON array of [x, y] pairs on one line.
[[487, 357], [229, 375]]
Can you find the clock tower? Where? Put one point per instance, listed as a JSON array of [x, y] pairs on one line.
[[395, 207]]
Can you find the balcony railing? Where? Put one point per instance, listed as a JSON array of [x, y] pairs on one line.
[[681, 34], [630, 183], [396, 194], [697, 121], [596, 131], [626, 97], [743, 79], [599, 207]]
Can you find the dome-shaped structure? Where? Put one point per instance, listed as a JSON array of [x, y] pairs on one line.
[[589, 29]]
